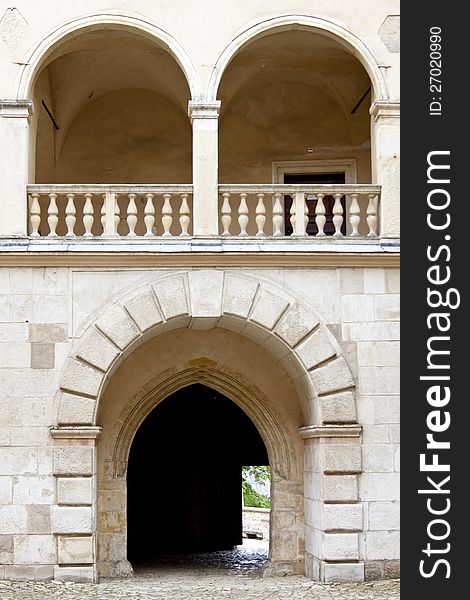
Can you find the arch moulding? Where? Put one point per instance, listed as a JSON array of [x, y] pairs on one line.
[[286, 552], [36, 58], [220, 378], [337, 32], [275, 319]]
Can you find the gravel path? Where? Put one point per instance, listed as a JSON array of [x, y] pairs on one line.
[[213, 576]]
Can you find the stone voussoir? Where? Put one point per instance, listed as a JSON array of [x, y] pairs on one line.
[[338, 408], [268, 308], [171, 295], [76, 410], [296, 324], [239, 295], [332, 377], [144, 310], [316, 349], [81, 378], [205, 292], [97, 350], [116, 324]]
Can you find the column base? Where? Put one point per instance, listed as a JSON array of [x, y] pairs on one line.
[[76, 574], [333, 572], [382, 569], [121, 569], [279, 568]]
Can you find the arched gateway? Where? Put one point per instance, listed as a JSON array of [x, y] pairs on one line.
[[262, 348]]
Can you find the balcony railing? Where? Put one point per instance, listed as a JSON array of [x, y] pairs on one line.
[[166, 211], [110, 211], [316, 210]]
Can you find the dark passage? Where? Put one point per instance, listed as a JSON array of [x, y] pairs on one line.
[[184, 475]]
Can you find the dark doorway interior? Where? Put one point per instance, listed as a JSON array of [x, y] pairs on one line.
[[328, 201], [184, 475]]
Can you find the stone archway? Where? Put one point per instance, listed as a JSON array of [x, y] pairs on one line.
[[290, 332], [345, 37], [106, 20], [286, 551]]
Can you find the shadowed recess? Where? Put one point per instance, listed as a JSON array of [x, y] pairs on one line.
[[194, 444]]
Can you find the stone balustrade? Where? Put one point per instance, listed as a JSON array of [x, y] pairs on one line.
[[166, 211], [110, 211], [259, 210]]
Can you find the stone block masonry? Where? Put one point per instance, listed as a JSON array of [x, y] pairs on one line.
[[48, 502]]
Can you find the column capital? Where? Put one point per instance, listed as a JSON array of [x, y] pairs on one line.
[[330, 431], [16, 108], [75, 432], [203, 110], [381, 108]]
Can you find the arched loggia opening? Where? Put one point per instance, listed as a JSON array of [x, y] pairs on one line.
[[295, 110], [192, 503], [112, 108]]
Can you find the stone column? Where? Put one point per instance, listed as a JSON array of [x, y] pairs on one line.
[[14, 159], [385, 140], [204, 119], [73, 517], [333, 512]]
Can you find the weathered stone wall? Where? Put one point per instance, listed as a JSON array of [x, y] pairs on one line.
[[256, 520], [44, 310]]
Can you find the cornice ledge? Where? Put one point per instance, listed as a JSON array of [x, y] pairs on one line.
[[388, 259], [16, 108], [330, 431], [382, 108], [78, 432], [198, 109]]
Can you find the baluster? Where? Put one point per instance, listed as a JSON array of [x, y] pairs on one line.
[[320, 218], [226, 214], [117, 212], [354, 215], [131, 216], [260, 215], [53, 215], [103, 214], [35, 215], [337, 215], [278, 215], [149, 215], [300, 221], [167, 212], [88, 215], [305, 217], [185, 217], [243, 215], [70, 215], [110, 212], [372, 215], [293, 216]]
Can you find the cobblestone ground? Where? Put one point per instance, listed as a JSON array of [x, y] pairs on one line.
[[211, 576]]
